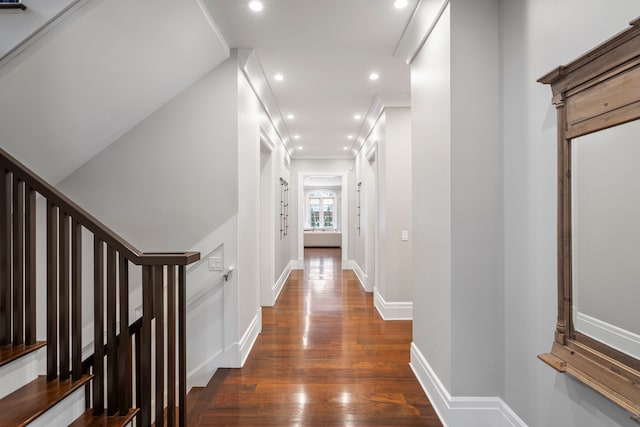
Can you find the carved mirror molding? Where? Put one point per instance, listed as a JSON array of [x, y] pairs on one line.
[[597, 91]]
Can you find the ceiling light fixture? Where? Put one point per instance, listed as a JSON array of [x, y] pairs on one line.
[[296, 136], [279, 77], [374, 76], [257, 6], [345, 148], [400, 4], [357, 117], [350, 136], [290, 116], [299, 147]]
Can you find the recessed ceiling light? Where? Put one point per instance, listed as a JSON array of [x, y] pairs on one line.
[[290, 116], [357, 117], [345, 148], [374, 76], [296, 136], [400, 4], [350, 136], [257, 6], [299, 147], [279, 77]]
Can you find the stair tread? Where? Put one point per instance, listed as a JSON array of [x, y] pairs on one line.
[[35, 398], [10, 353], [89, 420]]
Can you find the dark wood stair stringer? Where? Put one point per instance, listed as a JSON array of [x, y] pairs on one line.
[[27, 403]]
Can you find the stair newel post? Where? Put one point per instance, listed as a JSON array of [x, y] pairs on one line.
[[30, 268], [76, 300], [18, 261], [5, 257], [182, 345], [171, 345], [124, 343], [98, 326], [158, 308], [52, 291], [145, 347], [112, 334], [63, 295]]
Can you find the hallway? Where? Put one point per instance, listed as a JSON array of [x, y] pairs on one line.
[[324, 358]]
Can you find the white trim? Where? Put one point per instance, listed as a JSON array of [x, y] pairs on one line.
[[424, 19], [614, 336], [249, 338], [392, 310], [362, 278], [461, 411], [279, 285]]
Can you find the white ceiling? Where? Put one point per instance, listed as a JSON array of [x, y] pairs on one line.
[[326, 50]]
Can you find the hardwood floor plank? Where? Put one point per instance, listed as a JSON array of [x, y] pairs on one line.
[[324, 358]]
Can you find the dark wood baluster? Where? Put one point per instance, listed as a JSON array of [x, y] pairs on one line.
[[52, 291], [182, 345], [138, 374], [112, 349], [145, 347], [124, 344], [5, 257], [30, 268], [171, 346], [63, 295], [18, 261], [158, 307], [76, 300], [98, 326]]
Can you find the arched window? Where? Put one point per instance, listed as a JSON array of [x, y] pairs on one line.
[[321, 209]]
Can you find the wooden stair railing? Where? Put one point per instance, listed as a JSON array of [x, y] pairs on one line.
[[162, 329]]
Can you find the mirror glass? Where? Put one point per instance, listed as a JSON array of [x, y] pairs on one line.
[[605, 179]]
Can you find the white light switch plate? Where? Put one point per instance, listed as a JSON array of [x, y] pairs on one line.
[[216, 263], [405, 235]]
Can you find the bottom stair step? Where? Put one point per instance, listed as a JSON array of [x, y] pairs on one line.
[[34, 399], [87, 419]]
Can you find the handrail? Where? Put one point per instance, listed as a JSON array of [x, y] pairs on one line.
[[88, 221]]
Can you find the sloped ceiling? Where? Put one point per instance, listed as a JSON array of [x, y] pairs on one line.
[[99, 73]]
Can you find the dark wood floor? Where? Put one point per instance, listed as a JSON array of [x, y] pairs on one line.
[[324, 358]]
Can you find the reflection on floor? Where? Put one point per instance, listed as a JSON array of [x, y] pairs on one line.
[[324, 358]]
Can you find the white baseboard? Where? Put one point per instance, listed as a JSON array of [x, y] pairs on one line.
[[279, 285], [360, 275], [461, 411], [614, 336], [346, 264], [233, 356], [249, 338], [392, 310], [299, 265]]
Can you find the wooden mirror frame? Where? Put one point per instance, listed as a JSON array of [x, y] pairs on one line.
[[598, 90]]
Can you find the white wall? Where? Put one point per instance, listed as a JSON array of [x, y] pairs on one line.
[[537, 36], [394, 207], [88, 82], [248, 176], [172, 179], [431, 183]]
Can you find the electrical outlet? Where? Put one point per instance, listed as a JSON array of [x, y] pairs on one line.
[[216, 263]]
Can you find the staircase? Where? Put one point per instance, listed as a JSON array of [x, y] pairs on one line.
[[131, 366]]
